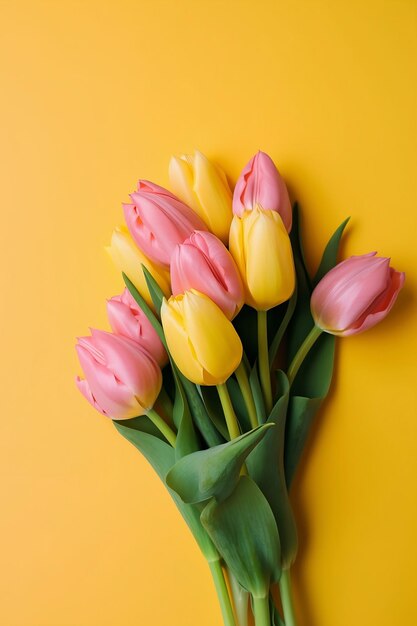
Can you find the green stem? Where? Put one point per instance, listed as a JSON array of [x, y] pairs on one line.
[[162, 426], [229, 412], [303, 350], [222, 593], [261, 611], [286, 598], [242, 379], [264, 360]]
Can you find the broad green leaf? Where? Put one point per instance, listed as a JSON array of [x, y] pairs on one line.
[[301, 413], [145, 308], [329, 257], [313, 380], [199, 412], [276, 342], [257, 394], [238, 405], [244, 531], [214, 409], [266, 466], [187, 440], [156, 292], [213, 472], [162, 457]]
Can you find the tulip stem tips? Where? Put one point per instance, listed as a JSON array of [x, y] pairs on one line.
[[229, 412], [286, 598], [162, 426], [243, 381], [303, 350], [261, 611], [222, 592], [264, 360]]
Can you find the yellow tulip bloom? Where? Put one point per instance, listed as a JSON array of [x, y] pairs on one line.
[[203, 186], [129, 259], [200, 338], [261, 247]]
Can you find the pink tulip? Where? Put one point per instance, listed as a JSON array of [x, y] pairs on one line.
[[158, 221], [356, 294], [127, 318], [203, 263], [121, 379], [261, 184]]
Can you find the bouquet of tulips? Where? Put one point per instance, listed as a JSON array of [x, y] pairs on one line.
[[221, 353]]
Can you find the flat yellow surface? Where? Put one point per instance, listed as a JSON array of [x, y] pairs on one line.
[[96, 94]]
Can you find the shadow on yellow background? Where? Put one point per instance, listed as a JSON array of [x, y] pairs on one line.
[[98, 94]]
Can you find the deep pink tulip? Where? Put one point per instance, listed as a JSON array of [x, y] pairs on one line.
[[127, 318], [121, 379], [203, 263], [261, 184], [158, 221], [356, 294]]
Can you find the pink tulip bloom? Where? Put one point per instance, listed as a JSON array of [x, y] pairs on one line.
[[261, 184], [158, 221], [356, 294], [203, 263], [121, 379], [127, 318]]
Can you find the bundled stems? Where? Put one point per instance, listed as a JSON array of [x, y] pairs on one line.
[[261, 611], [162, 426], [286, 598], [303, 350], [229, 412], [264, 360], [242, 379], [222, 592]]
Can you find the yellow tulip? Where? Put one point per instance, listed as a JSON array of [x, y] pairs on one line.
[[200, 338], [129, 259], [203, 186], [261, 247]]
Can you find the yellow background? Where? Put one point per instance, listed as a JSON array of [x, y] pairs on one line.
[[96, 94]]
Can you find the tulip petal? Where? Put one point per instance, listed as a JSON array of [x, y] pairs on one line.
[[381, 306], [178, 342], [213, 337]]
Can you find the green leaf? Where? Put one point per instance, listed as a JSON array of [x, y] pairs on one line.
[[276, 342], [257, 394], [214, 409], [275, 616], [313, 380], [244, 531], [162, 457], [145, 308], [329, 257], [198, 410], [187, 440], [213, 472], [266, 466], [238, 405], [301, 413], [156, 292]]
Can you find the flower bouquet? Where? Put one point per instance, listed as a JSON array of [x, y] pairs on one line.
[[220, 355]]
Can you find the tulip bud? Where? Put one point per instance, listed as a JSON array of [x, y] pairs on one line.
[[261, 247], [355, 295], [127, 318], [129, 259], [158, 221], [200, 338], [261, 184], [203, 186], [121, 379], [203, 263]]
